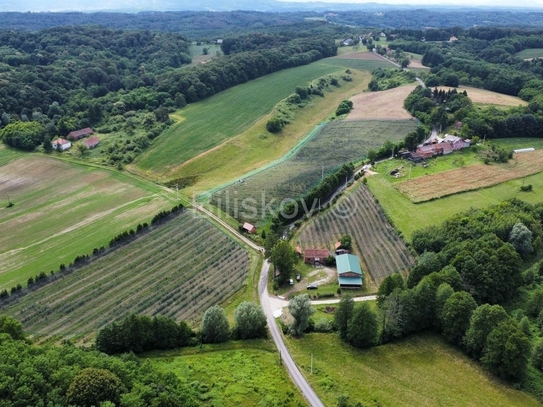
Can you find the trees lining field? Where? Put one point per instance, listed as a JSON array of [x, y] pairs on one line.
[[360, 216], [62, 210], [334, 144], [177, 270]]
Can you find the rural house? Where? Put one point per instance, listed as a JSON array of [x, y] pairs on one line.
[[348, 41], [249, 228], [79, 134], [91, 142], [61, 144], [348, 271], [339, 250], [312, 256]]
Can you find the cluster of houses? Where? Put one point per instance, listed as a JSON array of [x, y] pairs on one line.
[[64, 144], [348, 266], [435, 146]]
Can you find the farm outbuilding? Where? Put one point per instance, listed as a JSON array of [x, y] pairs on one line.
[[61, 144], [249, 228], [79, 134], [348, 271], [91, 142], [312, 256]]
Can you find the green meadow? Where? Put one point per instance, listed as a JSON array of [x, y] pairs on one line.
[[530, 53], [237, 374], [421, 370]]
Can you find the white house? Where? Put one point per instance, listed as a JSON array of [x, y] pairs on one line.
[[61, 143]]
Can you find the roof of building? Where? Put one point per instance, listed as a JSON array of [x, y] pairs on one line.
[[318, 253], [81, 132], [446, 147], [91, 141], [348, 263], [337, 245], [350, 280], [298, 250], [451, 139], [248, 226], [61, 141]]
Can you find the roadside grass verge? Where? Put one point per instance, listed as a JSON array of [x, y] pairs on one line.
[[237, 374], [421, 370], [63, 209], [177, 269]]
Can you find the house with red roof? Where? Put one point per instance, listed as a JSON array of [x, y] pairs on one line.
[[249, 228], [79, 134], [91, 142], [61, 144], [312, 256]]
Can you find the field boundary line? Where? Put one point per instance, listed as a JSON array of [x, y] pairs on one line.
[[297, 147]]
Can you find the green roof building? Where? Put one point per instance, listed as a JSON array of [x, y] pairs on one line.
[[349, 272]]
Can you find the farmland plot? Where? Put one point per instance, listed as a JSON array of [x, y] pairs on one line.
[[360, 216], [334, 144], [178, 270]]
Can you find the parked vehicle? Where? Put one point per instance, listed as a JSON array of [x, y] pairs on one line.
[[312, 286]]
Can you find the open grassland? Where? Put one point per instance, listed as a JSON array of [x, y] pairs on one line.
[[421, 370], [62, 210], [208, 123], [178, 269], [363, 60], [256, 147], [408, 216], [530, 53], [384, 105], [472, 177], [333, 144], [359, 215], [237, 374], [487, 97]]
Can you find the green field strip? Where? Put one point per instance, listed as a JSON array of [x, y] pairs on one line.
[[208, 123]]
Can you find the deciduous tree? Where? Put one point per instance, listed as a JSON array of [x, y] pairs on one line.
[[300, 308], [250, 321], [214, 327], [363, 330]]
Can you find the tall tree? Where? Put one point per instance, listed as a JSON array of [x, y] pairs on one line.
[[483, 320], [300, 308], [214, 327], [363, 330], [284, 258], [250, 321], [91, 387], [343, 314], [455, 316], [521, 238], [389, 285]]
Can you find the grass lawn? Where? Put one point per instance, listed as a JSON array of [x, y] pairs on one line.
[[421, 370], [206, 124], [62, 210], [530, 53], [235, 374], [409, 217]]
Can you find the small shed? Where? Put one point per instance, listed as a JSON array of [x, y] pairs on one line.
[[299, 251], [79, 134], [91, 142], [249, 228], [312, 256], [349, 271]]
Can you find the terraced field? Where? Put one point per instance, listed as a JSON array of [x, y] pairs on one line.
[[360, 216], [335, 143], [178, 270]]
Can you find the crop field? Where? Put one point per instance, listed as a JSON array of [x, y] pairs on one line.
[[208, 123], [237, 374], [487, 97], [383, 105], [256, 147], [471, 177], [421, 370], [178, 269], [530, 53], [335, 143], [62, 210], [360, 216]]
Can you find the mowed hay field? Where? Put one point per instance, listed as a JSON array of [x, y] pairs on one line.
[[472, 177], [487, 97], [421, 370], [333, 144], [530, 53], [359, 215], [178, 269], [385, 105], [237, 374], [62, 210]]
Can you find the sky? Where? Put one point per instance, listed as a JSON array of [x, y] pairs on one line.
[[493, 3]]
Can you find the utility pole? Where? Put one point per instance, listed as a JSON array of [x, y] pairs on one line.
[[311, 363]]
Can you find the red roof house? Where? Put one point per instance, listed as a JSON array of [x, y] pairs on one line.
[[91, 142], [249, 228], [315, 255], [79, 134]]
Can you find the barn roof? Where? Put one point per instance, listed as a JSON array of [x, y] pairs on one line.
[[91, 142], [348, 263], [318, 253], [81, 132]]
